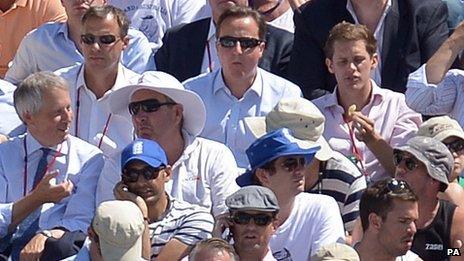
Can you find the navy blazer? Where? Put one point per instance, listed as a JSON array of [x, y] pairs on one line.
[[183, 48], [414, 30]]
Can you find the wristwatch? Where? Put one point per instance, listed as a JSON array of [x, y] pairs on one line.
[[46, 233]]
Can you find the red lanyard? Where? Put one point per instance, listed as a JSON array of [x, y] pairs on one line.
[[49, 165], [210, 61], [105, 128], [355, 149]]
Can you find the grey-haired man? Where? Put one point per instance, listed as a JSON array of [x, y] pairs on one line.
[[425, 164]]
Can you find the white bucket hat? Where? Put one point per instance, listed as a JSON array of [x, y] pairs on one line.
[[194, 110], [299, 115], [119, 225], [440, 128]]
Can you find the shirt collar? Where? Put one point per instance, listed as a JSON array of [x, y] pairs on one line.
[[120, 80], [190, 144], [6, 87], [350, 8], [33, 145], [212, 31], [256, 86], [377, 93], [64, 29]]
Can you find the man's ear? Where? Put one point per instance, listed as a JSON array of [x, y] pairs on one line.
[[375, 221], [125, 41], [375, 61], [263, 176], [167, 173], [27, 119], [179, 113], [329, 65]]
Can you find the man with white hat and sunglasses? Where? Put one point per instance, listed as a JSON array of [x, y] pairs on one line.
[[305, 222], [330, 172], [162, 110]]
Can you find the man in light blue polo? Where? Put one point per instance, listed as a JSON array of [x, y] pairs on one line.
[[56, 45]]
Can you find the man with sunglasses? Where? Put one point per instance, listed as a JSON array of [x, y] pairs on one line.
[[58, 45], [252, 221], [388, 210], [103, 37], [189, 50], [162, 110], [448, 131], [425, 164], [174, 225], [239, 88], [305, 221]]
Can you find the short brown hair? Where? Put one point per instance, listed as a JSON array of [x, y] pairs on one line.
[[213, 243], [379, 198], [103, 11], [350, 32], [243, 12]]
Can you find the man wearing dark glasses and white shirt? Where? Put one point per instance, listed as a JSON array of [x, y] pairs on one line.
[[425, 164], [252, 221], [58, 45], [103, 38], [305, 221], [239, 89], [203, 171], [388, 211]]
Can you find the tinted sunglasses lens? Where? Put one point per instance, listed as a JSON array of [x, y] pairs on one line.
[[262, 220], [456, 146], [88, 38], [397, 158], [150, 105], [291, 164], [129, 176], [410, 164], [248, 43], [134, 108], [241, 219], [107, 39], [227, 42]]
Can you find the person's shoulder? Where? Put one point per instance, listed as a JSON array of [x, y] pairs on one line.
[[278, 33], [276, 82], [211, 146], [422, 5], [341, 163], [199, 81], [318, 8], [185, 210], [83, 148], [6, 87], [10, 146], [45, 31], [188, 28], [314, 201], [68, 72]]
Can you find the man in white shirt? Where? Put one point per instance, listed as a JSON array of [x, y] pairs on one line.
[[203, 171], [59, 199], [10, 125], [57, 45], [239, 89], [154, 17], [305, 221], [104, 36], [389, 210]]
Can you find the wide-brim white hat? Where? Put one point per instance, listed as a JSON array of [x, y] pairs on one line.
[[194, 112]]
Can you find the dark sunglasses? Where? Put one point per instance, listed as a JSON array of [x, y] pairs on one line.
[[395, 186], [245, 42], [130, 175], [456, 146], [291, 164], [101, 39], [151, 105], [242, 218], [410, 163]]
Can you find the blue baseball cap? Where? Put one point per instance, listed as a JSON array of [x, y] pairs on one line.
[[145, 150], [271, 146]]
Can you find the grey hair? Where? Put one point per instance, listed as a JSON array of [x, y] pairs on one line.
[[28, 97], [213, 244]]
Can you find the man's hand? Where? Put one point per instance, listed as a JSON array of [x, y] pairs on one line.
[[47, 192], [33, 250], [221, 224], [364, 126], [121, 192]]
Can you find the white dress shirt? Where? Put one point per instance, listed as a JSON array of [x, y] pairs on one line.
[[49, 48], [10, 124], [225, 113], [92, 114], [76, 160], [203, 175], [210, 57]]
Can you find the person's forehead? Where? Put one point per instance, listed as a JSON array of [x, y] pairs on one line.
[[347, 45], [239, 24], [101, 23]]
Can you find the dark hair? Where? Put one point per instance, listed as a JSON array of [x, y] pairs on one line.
[[350, 32], [379, 199], [243, 12], [213, 243], [103, 11]]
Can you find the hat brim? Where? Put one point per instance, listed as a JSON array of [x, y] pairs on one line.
[[148, 160], [257, 126], [110, 252], [194, 112], [416, 153], [246, 179], [449, 133]]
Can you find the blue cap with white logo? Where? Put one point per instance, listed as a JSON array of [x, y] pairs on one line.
[[144, 150], [273, 145]]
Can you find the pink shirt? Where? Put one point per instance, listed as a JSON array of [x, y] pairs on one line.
[[393, 120]]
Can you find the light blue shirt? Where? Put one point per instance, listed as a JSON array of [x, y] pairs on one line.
[[10, 124], [49, 48], [78, 161], [225, 113]]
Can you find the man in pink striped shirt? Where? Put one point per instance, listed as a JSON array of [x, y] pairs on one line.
[[378, 119]]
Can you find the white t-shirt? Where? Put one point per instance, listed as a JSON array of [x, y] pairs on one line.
[[154, 17], [409, 256], [315, 221], [285, 21]]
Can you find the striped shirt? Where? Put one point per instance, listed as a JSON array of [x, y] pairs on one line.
[[342, 180], [444, 98], [183, 221]]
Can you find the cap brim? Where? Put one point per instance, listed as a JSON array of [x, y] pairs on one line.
[[110, 252], [326, 152], [194, 110], [148, 160], [256, 125], [449, 133]]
